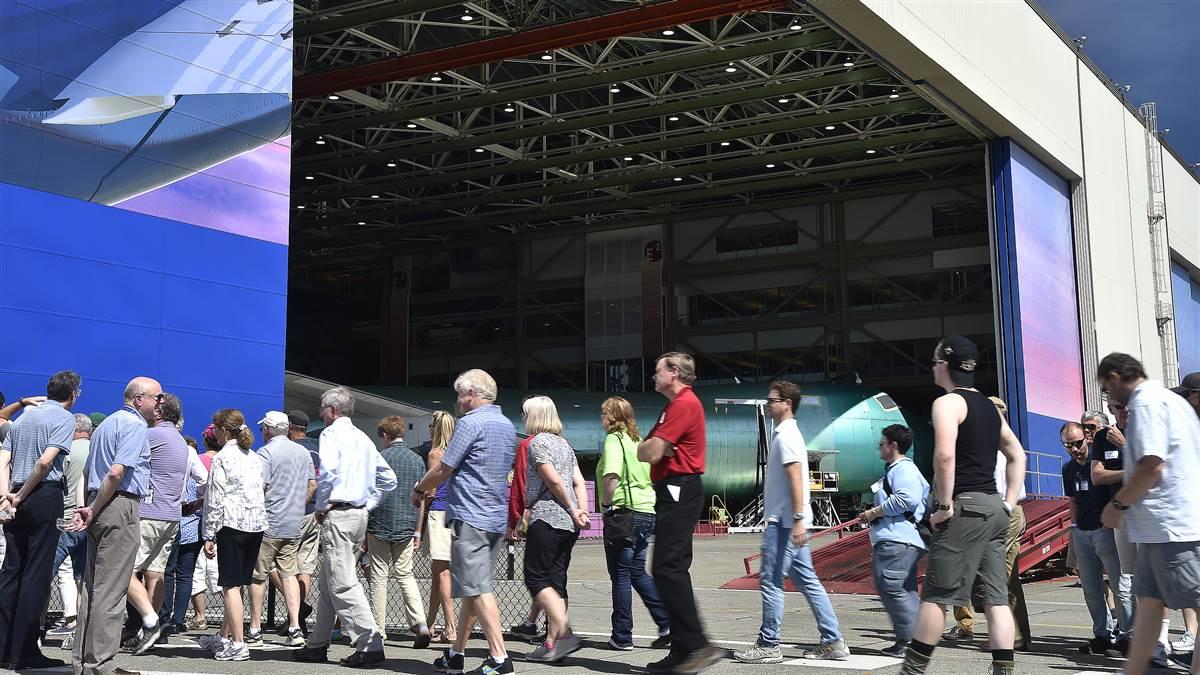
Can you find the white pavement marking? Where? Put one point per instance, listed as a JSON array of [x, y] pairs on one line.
[[859, 662]]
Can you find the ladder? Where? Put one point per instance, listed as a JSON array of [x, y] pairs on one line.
[[1160, 254]]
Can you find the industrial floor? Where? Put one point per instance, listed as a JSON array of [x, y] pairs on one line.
[[1060, 624]]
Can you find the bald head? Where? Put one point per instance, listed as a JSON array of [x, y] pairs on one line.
[[142, 393]]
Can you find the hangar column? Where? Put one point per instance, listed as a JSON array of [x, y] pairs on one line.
[[397, 289]]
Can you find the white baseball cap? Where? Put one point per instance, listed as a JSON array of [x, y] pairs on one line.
[[275, 420]]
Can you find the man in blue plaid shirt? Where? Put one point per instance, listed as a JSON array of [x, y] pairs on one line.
[[475, 469]]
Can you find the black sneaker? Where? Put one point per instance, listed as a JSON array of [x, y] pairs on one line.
[[525, 630], [362, 659], [668, 664], [490, 667], [148, 638], [449, 664], [423, 639], [1097, 645], [663, 642], [896, 650], [311, 654], [38, 662]]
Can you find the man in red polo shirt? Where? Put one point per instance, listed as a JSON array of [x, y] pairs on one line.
[[675, 449]]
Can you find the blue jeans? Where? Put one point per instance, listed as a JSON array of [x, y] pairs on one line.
[[72, 544], [177, 582], [1096, 554], [627, 569], [778, 556], [895, 566]]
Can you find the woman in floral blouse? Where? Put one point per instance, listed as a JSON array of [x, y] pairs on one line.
[[234, 520]]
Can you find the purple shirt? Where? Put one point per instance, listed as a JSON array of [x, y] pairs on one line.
[[168, 472]]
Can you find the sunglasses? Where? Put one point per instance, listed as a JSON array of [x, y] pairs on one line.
[[1091, 427], [1073, 444]]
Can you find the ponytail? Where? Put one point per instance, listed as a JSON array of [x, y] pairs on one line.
[[245, 438], [234, 424]]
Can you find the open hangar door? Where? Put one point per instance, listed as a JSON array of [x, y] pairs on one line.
[[558, 193]]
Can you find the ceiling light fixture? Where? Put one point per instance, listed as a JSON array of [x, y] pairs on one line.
[[467, 17], [870, 152], [436, 78], [672, 118], [547, 56], [614, 90], [374, 196], [829, 127], [334, 97], [320, 140], [795, 26], [309, 177], [730, 69], [410, 125], [724, 144], [628, 159], [677, 179], [848, 64], [668, 32], [361, 222], [299, 206], [770, 166], [783, 100], [391, 165]]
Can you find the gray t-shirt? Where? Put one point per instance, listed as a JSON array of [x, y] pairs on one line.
[[49, 425], [4, 430], [553, 450], [286, 467], [73, 471]]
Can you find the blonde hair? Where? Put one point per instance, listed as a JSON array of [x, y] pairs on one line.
[[541, 417], [478, 381], [233, 423], [442, 429], [620, 417]]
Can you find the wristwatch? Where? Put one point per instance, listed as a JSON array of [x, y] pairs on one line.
[[943, 507], [798, 515], [1119, 505]]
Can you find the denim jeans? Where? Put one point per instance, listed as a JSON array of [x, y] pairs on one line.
[[778, 556], [177, 582], [73, 544], [895, 566], [627, 569], [1096, 554]]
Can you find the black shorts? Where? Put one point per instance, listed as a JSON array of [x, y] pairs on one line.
[[237, 552], [547, 557]]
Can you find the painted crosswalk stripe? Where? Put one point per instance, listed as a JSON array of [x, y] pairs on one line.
[[859, 662]]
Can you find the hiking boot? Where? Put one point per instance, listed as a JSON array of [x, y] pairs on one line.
[[760, 654]]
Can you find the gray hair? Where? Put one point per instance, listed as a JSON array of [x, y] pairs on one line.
[[339, 398], [1093, 415], [172, 409], [478, 381], [83, 424]]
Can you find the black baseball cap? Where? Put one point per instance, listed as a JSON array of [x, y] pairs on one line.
[[961, 357], [1190, 383], [298, 418]]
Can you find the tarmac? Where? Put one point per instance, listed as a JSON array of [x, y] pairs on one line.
[[1059, 620]]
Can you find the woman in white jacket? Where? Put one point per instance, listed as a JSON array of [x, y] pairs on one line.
[[234, 520]]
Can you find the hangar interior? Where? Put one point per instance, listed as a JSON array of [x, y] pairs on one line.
[[558, 191]]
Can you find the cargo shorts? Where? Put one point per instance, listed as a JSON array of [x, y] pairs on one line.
[[968, 551], [1169, 572]]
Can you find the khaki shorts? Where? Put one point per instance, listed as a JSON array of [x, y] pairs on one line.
[[435, 542], [205, 577], [156, 541], [277, 554], [969, 550], [306, 555]]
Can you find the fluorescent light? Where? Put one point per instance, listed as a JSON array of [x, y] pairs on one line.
[[668, 32], [334, 97], [628, 159], [724, 144], [829, 127], [362, 222], [478, 149], [770, 166], [374, 196], [783, 100], [410, 125], [870, 152], [391, 165], [672, 118], [309, 177], [677, 179], [299, 206]]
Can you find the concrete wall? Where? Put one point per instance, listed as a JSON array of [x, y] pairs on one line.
[[1001, 67]]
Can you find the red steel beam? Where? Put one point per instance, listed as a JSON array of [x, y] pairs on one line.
[[558, 36]]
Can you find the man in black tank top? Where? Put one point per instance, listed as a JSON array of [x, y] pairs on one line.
[[969, 519]]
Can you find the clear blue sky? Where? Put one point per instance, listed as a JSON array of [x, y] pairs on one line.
[[1153, 45]]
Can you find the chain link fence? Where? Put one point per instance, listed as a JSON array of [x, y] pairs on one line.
[[511, 594]]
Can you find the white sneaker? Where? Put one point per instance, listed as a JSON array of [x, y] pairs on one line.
[[234, 651], [1186, 643], [213, 643], [832, 651]]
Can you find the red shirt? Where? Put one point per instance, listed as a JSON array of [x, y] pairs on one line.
[[682, 425], [516, 494]]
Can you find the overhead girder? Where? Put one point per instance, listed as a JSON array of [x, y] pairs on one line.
[[607, 204], [659, 173], [566, 125], [616, 149], [340, 19], [546, 38], [699, 58]]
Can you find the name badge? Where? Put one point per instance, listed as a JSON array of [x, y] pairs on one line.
[[1082, 486], [877, 486], [1112, 454]]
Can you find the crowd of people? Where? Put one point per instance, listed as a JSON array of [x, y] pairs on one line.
[[139, 521]]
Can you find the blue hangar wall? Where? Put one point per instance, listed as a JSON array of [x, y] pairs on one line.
[[1185, 292], [144, 199], [1039, 309]]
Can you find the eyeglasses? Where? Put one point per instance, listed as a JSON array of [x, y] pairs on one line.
[[1091, 427], [157, 397], [772, 399], [1073, 444]]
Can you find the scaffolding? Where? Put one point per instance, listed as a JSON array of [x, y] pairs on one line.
[[1156, 214]]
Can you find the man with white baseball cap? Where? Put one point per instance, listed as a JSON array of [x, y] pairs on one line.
[[288, 476]]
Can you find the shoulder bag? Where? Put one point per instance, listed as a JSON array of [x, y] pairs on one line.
[[618, 521]]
